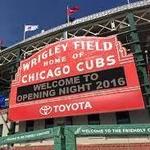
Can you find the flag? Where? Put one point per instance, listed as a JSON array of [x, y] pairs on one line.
[[30, 28], [72, 10], [71, 19]]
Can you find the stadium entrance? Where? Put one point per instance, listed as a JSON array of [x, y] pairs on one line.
[[72, 137]]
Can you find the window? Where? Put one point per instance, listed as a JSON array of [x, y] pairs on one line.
[[1, 130], [49, 123], [94, 119], [68, 121], [29, 126], [123, 117], [12, 127]]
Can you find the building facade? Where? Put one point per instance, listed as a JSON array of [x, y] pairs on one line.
[[117, 21]]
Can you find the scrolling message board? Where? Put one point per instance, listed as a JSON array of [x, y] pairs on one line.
[[76, 76]]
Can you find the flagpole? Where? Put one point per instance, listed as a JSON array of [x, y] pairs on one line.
[[24, 34], [67, 14], [65, 34]]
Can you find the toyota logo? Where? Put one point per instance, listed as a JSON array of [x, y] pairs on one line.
[[45, 110]]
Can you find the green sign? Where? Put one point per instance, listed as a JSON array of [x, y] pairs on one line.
[[108, 130], [30, 136], [70, 132]]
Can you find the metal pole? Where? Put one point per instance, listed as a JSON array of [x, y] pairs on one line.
[[70, 139], [68, 14], [65, 35], [59, 138], [147, 63], [24, 35]]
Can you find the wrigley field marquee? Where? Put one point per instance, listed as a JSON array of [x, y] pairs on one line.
[[75, 76]]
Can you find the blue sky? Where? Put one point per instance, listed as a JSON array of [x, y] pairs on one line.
[[45, 13]]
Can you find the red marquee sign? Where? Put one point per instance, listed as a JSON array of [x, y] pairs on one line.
[[77, 76]]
